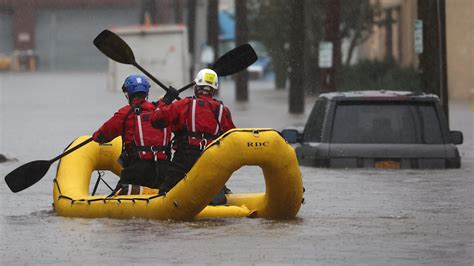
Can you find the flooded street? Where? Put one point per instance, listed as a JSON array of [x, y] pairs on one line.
[[351, 217]]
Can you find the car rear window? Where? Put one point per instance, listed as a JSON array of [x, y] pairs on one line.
[[314, 127], [386, 122]]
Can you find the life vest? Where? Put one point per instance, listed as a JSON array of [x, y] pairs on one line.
[[203, 122], [150, 143]]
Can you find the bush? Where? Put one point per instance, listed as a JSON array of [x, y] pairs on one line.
[[374, 75]]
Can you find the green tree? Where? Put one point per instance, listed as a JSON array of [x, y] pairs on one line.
[[357, 21], [269, 22], [314, 17]]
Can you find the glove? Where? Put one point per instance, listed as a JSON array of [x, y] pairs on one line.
[[170, 95], [99, 137]]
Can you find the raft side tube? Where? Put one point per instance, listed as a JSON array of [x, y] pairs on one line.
[[236, 148], [189, 198]]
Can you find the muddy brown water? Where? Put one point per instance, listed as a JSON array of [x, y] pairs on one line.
[[363, 216]]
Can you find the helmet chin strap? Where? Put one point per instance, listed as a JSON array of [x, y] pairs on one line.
[[199, 90], [130, 99]]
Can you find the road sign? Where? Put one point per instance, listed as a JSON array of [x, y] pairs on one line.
[[418, 36], [325, 54]]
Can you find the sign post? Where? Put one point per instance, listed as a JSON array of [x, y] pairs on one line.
[[325, 54], [418, 36]]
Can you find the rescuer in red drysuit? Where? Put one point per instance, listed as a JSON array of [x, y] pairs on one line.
[[145, 149], [196, 122]]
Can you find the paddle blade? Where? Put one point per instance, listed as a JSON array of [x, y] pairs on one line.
[[114, 47], [235, 60], [26, 175]]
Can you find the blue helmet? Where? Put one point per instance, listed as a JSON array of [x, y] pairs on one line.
[[136, 83]]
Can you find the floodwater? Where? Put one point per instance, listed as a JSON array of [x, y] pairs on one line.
[[351, 217]]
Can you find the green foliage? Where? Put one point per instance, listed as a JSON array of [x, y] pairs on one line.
[[357, 15], [357, 21], [374, 75], [270, 23]]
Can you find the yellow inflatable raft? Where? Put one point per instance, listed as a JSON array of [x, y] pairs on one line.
[[189, 198]]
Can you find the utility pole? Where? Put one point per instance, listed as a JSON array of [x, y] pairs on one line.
[[241, 37], [433, 59], [191, 33], [213, 27], [331, 35], [296, 73]]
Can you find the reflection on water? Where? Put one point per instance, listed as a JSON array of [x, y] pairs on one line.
[[356, 216], [347, 213], [50, 237]]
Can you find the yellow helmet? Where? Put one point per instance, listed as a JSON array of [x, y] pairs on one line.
[[207, 77]]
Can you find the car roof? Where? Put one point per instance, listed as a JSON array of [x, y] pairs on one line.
[[378, 95]]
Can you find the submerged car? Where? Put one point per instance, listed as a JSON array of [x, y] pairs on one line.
[[377, 129], [260, 68]]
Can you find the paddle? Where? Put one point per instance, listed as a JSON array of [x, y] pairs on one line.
[[232, 62], [28, 174], [118, 50]]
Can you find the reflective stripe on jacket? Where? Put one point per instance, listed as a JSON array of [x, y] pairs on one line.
[[136, 129], [192, 117]]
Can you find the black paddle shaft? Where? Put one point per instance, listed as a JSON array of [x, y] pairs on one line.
[[115, 48], [232, 62], [151, 76], [72, 149], [28, 174], [118, 50]]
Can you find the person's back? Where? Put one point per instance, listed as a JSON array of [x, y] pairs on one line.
[[146, 151], [195, 121]]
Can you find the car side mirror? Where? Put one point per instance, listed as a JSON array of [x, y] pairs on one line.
[[291, 135], [456, 137]]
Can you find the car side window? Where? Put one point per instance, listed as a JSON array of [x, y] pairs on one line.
[[314, 126], [431, 131]]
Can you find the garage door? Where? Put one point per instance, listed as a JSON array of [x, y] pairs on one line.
[[63, 37], [6, 35]]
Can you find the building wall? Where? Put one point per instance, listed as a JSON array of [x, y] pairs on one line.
[[56, 33], [64, 36], [459, 41], [403, 15], [408, 14], [24, 14], [6, 43], [460, 48]]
